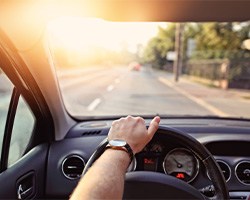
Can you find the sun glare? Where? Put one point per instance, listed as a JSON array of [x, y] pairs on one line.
[[79, 34], [83, 41]]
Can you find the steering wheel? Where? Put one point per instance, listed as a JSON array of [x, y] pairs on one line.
[[154, 185]]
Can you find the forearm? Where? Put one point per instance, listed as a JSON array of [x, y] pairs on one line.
[[105, 179]]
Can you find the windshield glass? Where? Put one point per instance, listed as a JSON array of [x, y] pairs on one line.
[[114, 69]]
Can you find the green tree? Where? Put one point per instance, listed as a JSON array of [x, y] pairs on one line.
[[157, 48], [213, 41], [220, 40]]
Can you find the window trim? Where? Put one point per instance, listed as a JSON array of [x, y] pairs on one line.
[[16, 70], [8, 129]]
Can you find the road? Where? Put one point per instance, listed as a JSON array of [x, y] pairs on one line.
[[119, 91]]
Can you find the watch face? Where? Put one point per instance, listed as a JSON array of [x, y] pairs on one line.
[[117, 143]]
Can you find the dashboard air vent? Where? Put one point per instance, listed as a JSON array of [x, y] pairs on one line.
[[91, 132], [73, 166], [243, 172], [225, 169]]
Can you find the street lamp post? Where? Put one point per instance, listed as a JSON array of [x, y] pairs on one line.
[[178, 50]]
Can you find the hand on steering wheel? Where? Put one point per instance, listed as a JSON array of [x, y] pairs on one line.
[[148, 185]]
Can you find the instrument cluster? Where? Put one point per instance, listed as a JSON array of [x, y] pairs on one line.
[[173, 160]]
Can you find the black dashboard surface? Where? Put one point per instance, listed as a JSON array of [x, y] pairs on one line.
[[227, 139]]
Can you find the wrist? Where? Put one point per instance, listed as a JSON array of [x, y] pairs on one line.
[[119, 157], [121, 145]]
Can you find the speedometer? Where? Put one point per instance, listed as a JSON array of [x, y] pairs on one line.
[[182, 164]]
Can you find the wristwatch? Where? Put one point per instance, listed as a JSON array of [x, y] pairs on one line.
[[121, 145]]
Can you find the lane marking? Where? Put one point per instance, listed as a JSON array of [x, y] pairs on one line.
[[94, 104], [110, 88], [80, 79], [199, 101]]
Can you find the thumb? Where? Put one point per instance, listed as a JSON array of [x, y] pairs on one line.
[[154, 124]]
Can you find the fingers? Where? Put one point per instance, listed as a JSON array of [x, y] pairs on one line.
[[134, 131], [154, 124]]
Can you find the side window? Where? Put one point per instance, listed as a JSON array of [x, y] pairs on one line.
[[22, 131], [6, 88]]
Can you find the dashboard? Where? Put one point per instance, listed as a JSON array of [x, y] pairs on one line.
[[228, 140]]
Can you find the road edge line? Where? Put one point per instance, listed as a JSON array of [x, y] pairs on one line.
[[198, 101]]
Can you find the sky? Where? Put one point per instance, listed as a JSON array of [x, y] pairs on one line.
[[79, 33]]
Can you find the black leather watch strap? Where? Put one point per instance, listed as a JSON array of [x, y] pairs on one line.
[[130, 151], [121, 145]]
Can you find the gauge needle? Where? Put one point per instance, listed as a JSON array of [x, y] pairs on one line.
[[179, 165]]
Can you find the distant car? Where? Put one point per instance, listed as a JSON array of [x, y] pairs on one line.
[[135, 66]]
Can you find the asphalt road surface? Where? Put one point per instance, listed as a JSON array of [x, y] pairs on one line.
[[119, 90]]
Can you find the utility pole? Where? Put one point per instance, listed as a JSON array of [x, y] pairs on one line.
[[178, 50]]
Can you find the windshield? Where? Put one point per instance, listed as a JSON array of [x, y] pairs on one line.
[[115, 69]]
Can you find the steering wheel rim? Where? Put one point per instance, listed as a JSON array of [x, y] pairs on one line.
[[156, 180], [200, 152]]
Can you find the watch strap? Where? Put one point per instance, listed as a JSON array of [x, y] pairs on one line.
[[130, 151], [125, 148]]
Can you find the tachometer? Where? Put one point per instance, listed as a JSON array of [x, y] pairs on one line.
[[182, 164]]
